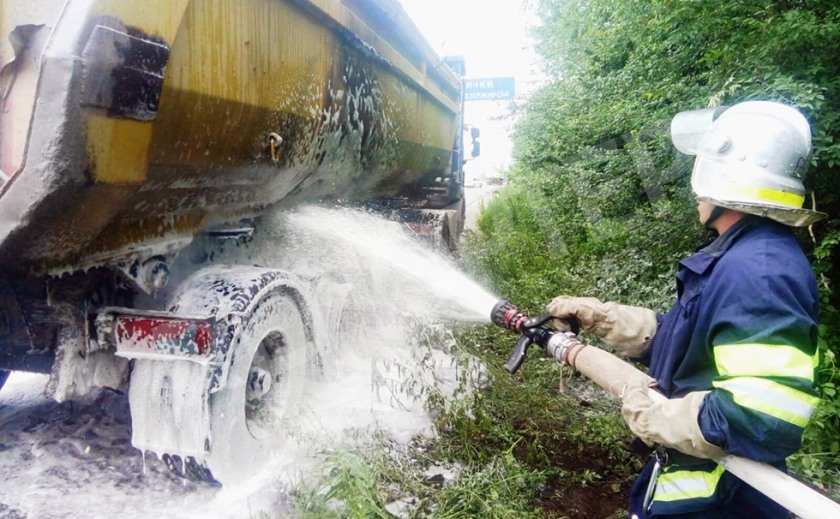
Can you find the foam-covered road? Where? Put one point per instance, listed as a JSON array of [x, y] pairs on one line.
[[74, 460]]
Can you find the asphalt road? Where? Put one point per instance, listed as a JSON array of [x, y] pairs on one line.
[[477, 198]]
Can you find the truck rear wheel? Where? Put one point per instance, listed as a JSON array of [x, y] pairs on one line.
[[252, 415], [218, 408]]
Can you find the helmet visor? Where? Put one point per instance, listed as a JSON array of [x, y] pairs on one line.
[[687, 128]]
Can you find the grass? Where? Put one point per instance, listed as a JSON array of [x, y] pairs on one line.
[[523, 449]]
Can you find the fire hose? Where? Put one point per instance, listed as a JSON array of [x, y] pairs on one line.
[[613, 374]]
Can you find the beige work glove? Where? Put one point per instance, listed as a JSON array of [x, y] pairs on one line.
[[629, 329], [670, 423]]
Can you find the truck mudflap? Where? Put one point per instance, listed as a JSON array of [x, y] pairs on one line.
[[170, 378], [170, 409]]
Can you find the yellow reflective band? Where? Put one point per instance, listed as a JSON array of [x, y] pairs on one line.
[[771, 398], [687, 484], [764, 360], [771, 195]]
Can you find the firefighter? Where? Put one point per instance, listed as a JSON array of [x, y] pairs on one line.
[[736, 354]]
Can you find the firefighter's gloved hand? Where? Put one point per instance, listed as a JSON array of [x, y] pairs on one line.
[[629, 329], [670, 423]]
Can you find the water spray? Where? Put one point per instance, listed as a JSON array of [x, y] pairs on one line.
[[557, 343]]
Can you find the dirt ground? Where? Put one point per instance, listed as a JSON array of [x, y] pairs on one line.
[[598, 490], [594, 500]]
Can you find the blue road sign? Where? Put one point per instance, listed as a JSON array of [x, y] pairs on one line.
[[489, 89]]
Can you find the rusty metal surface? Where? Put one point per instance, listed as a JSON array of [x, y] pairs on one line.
[[359, 108]]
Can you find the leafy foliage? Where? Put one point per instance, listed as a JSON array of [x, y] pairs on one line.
[[350, 491], [600, 203], [524, 439]]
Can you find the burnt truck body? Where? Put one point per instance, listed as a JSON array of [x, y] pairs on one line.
[[131, 129]]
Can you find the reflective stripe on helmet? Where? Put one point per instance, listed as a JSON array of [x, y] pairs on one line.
[[763, 360], [773, 196], [771, 398], [687, 484]]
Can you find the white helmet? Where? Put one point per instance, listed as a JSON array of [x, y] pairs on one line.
[[751, 158]]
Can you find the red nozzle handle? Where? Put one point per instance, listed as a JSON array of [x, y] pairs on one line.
[[507, 315]]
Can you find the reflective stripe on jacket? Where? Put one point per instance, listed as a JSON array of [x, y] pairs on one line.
[[745, 327]]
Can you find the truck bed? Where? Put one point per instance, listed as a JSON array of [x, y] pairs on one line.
[[129, 126]]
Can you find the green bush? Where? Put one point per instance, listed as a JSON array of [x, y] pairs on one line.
[[600, 203]]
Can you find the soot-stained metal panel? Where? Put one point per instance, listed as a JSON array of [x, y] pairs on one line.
[[123, 72]]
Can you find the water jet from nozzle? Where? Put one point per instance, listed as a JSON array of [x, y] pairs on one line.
[[419, 281]]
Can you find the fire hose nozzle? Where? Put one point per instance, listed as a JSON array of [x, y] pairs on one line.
[[507, 315], [532, 330]]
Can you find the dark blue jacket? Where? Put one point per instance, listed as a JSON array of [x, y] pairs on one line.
[[745, 328]]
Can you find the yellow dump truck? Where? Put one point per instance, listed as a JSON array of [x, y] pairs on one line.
[[130, 129]]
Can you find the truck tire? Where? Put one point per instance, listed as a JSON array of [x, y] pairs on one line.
[[219, 418], [252, 415]]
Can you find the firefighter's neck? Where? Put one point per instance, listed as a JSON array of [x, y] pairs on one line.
[[726, 220], [718, 219]]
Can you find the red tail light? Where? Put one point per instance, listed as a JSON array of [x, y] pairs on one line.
[[136, 336]]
